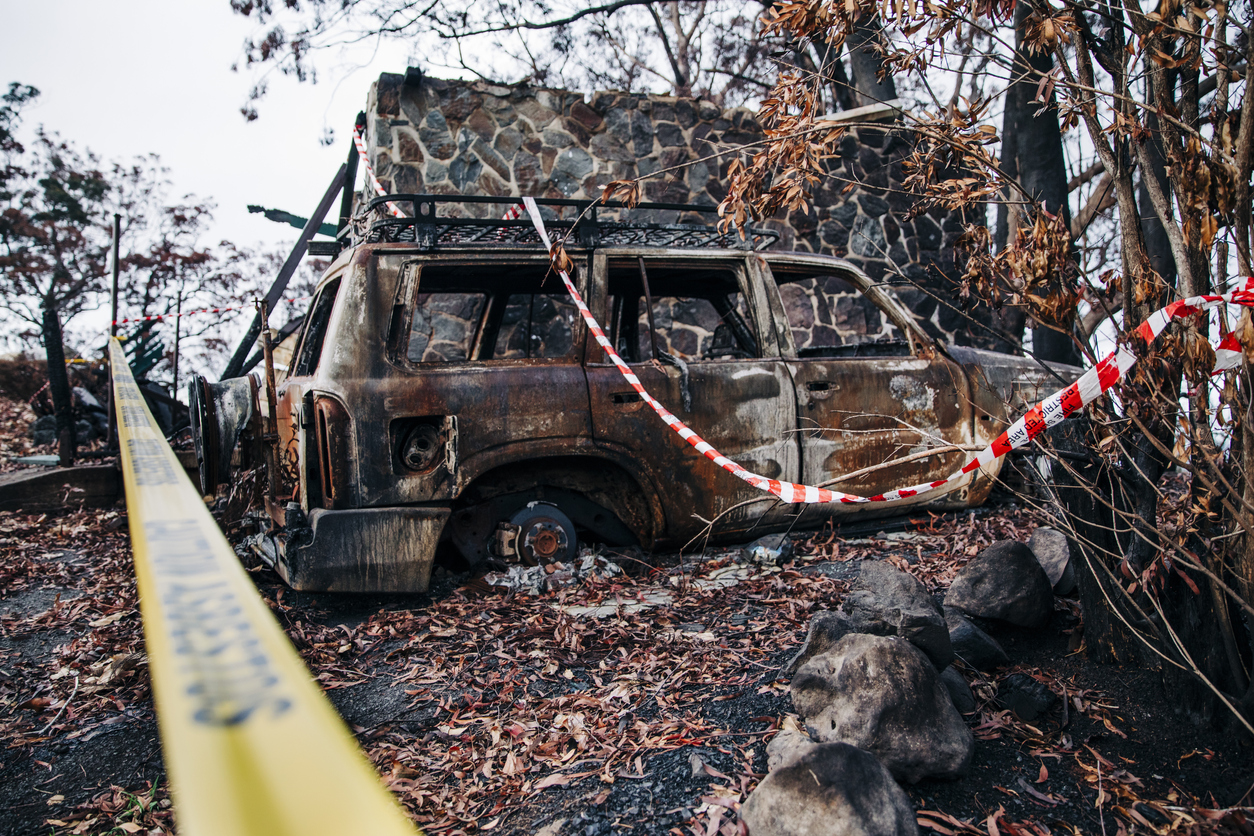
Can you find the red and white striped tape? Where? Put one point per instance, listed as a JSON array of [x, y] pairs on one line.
[[1047, 413], [365, 160]]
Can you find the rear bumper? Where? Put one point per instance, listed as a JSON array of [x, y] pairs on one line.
[[362, 550]]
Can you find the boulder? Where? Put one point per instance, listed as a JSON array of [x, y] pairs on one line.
[[43, 430], [883, 695], [959, 691], [884, 601], [786, 748], [826, 628], [1005, 583], [972, 645], [833, 790], [1025, 696], [1053, 552]]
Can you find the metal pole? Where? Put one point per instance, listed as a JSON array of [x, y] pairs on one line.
[[117, 234], [350, 181], [112, 441], [285, 273], [655, 351], [178, 325], [271, 434]]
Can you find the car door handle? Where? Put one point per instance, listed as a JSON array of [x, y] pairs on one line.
[[821, 389], [626, 397]]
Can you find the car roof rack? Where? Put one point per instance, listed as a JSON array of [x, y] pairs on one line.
[[576, 220]]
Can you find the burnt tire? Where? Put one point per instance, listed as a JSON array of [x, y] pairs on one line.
[[545, 534]]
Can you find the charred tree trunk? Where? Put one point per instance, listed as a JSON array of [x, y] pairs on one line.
[[59, 384], [867, 62], [1010, 319], [1085, 490], [1042, 168]]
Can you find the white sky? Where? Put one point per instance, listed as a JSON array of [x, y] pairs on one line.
[[141, 76]]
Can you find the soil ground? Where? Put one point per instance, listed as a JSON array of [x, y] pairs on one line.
[[510, 713]]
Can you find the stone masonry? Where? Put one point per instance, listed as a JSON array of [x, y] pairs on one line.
[[475, 138]]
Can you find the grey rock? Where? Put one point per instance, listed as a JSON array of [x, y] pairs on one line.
[[557, 139], [565, 183], [574, 161], [618, 124], [507, 142], [959, 690], [883, 695], [1025, 696], [43, 430], [669, 135], [845, 213], [972, 645], [826, 628], [1005, 582], [606, 147], [1053, 552], [928, 233], [770, 549], [464, 170], [436, 171], [867, 238], [85, 400], [833, 234], [886, 601], [834, 790], [535, 113], [684, 113], [485, 153], [435, 136], [641, 133], [786, 748], [873, 206]]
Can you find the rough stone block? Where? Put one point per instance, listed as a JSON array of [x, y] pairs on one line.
[[1005, 582], [883, 695], [833, 790]]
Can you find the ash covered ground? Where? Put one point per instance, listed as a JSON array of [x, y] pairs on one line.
[[639, 701]]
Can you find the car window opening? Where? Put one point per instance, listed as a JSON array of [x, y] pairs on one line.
[[469, 313], [315, 331], [695, 316], [831, 317]]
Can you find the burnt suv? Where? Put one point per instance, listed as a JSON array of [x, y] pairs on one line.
[[445, 394]]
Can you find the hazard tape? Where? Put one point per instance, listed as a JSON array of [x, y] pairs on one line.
[[1045, 414], [365, 160], [251, 744], [157, 317]]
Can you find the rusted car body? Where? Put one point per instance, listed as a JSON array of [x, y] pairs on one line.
[[451, 397]]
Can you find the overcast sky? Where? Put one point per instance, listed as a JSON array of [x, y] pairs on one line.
[[141, 76]]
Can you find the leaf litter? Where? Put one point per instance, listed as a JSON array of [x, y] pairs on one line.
[[638, 701]]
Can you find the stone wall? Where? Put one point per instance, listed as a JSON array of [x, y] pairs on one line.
[[455, 137]]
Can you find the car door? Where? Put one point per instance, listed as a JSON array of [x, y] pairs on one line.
[[487, 352], [726, 382], [878, 408]]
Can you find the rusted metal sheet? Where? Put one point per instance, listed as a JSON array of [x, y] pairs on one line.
[[361, 550]]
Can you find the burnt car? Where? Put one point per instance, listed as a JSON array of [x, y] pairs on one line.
[[445, 395]]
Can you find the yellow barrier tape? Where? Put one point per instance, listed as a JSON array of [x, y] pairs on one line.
[[251, 744]]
